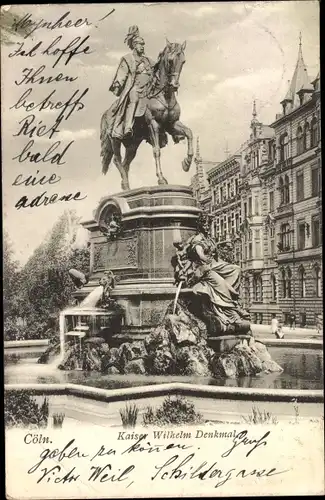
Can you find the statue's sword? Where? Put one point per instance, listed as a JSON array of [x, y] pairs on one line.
[[177, 295]]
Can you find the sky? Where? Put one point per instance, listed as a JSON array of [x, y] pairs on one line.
[[236, 52]]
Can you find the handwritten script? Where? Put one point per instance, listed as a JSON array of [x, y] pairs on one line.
[[170, 460], [44, 117]]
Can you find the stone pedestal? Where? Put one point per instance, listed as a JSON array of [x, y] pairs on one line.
[[149, 220]]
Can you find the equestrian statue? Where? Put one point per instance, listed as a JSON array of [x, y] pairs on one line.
[[146, 108]]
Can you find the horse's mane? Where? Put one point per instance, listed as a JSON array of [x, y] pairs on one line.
[[168, 49]]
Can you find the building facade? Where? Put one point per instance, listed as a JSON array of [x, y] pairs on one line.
[[267, 199], [257, 258], [292, 186]]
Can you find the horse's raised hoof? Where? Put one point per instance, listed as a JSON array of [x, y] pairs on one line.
[[186, 163], [162, 181]]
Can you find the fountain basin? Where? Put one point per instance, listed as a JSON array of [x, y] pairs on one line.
[[216, 404]]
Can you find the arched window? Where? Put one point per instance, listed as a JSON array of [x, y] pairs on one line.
[[317, 281], [284, 284], [273, 287], [284, 147], [302, 281], [286, 190], [313, 134], [300, 141], [305, 136], [281, 189], [289, 277]]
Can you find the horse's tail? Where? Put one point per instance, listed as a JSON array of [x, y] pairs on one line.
[[106, 144]]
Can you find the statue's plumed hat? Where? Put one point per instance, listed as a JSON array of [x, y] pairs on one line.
[[133, 36]]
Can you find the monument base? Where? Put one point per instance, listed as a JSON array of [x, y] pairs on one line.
[[132, 235]]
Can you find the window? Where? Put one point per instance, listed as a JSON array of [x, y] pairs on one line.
[[317, 281], [285, 237], [300, 141], [258, 288], [281, 189], [272, 248], [257, 243], [250, 250], [286, 190], [301, 235], [314, 133], [284, 147], [302, 282], [247, 289], [315, 181], [300, 186], [273, 287], [289, 277], [237, 222], [315, 231], [271, 201], [249, 206], [256, 206], [236, 186], [245, 210], [284, 284], [305, 136]]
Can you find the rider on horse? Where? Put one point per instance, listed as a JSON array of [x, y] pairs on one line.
[[131, 84]]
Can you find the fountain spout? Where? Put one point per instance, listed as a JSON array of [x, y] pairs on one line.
[[93, 297]]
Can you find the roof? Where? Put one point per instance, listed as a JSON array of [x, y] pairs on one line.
[[299, 80]]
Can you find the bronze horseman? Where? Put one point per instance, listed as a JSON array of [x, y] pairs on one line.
[[146, 107], [131, 85]]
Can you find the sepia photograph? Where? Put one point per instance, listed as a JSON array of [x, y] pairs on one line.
[[162, 249]]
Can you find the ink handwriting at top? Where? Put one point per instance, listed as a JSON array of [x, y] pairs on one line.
[[31, 26], [69, 50], [73, 103]]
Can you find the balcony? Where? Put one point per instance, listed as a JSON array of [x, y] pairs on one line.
[[253, 264], [283, 165], [283, 210]]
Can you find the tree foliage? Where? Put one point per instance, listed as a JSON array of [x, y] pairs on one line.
[[10, 279], [45, 287]]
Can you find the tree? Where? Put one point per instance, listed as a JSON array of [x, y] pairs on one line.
[[10, 278], [46, 287]]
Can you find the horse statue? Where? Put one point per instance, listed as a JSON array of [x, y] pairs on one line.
[[158, 115]]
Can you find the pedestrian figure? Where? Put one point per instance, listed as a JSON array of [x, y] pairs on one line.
[[292, 321], [319, 323], [274, 324], [279, 333]]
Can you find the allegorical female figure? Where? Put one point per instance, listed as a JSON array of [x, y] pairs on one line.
[[215, 280]]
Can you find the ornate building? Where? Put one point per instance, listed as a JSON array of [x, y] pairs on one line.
[[267, 199], [256, 260], [292, 187]]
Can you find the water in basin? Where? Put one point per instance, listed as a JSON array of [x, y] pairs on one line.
[[302, 369]]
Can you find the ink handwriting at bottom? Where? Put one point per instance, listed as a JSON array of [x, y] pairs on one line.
[[51, 473], [241, 438], [205, 471], [140, 446]]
